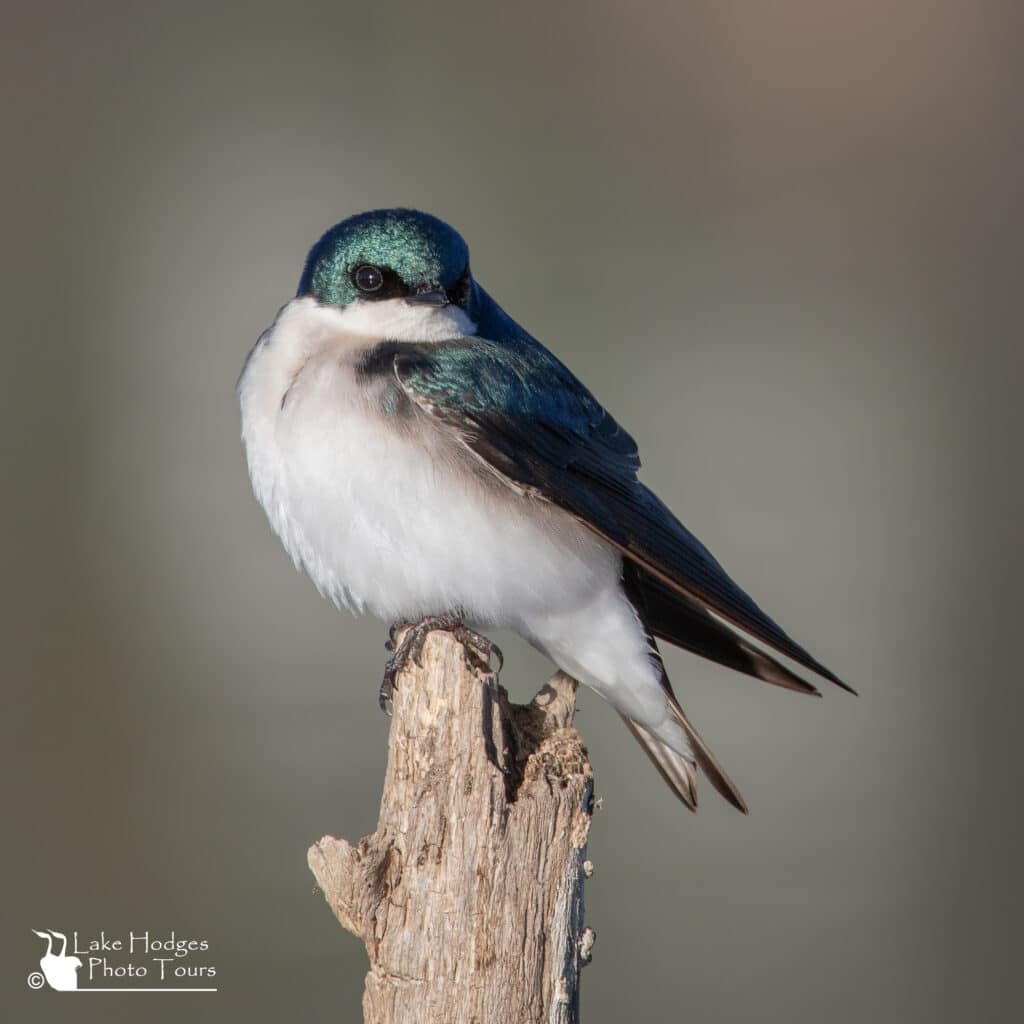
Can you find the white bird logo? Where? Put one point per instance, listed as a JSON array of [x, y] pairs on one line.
[[59, 969]]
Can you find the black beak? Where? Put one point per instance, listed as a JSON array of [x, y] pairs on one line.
[[434, 297]]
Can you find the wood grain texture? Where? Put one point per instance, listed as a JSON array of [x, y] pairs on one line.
[[469, 896]]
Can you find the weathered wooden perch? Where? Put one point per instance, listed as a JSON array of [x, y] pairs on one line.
[[469, 896]]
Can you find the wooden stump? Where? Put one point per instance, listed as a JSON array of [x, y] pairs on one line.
[[469, 896]]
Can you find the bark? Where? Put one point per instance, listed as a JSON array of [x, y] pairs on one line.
[[469, 896]]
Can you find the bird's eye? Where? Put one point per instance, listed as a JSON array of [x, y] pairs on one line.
[[368, 278]]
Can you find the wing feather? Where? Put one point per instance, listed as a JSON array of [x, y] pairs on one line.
[[528, 419]]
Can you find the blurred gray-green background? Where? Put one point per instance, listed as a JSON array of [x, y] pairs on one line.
[[780, 241]]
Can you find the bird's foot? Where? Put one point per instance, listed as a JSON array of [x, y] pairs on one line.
[[411, 649]]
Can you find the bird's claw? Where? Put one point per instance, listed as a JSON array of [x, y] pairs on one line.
[[386, 696], [393, 630], [486, 648], [412, 644]]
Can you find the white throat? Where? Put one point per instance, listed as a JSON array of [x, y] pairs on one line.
[[398, 320]]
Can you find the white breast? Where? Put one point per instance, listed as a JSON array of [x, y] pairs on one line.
[[381, 518]]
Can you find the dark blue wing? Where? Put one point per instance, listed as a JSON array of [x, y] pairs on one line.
[[521, 411]]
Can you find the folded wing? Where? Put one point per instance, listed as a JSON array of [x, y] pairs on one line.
[[530, 421]]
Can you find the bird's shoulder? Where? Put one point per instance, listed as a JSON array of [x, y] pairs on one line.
[[503, 383]]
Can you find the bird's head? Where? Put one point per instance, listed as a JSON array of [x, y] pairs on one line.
[[397, 267]]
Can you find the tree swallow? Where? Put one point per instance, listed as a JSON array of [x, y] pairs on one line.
[[422, 458]]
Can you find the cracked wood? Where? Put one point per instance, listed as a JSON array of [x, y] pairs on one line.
[[469, 895]]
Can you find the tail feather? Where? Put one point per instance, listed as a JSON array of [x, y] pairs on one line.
[[708, 762], [676, 768], [678, 771]]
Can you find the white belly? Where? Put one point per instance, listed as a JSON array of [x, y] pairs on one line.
[[378, 524]]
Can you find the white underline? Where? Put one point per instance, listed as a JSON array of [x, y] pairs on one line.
[[168, 989]]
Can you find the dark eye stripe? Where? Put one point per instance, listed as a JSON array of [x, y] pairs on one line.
[[390, 285], [375, 283]]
